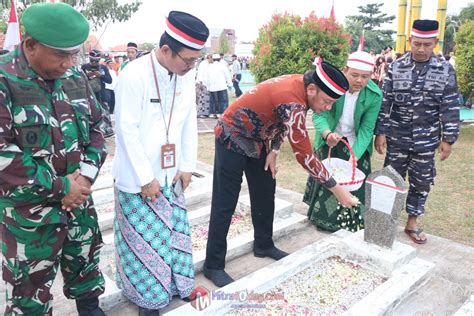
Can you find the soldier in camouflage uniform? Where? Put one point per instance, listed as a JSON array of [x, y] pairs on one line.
[[420, 112], [51, 149]]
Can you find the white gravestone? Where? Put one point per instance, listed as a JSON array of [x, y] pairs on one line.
[[385, 194]]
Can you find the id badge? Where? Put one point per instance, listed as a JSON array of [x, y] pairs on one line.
[[168, 156]]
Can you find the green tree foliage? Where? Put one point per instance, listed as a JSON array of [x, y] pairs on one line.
[[453, 22], [3, 26], [370, 19], [452, 26], [288, 44], [465, 58], [467, 13], [223, 43], [98, 12], [147, 46]]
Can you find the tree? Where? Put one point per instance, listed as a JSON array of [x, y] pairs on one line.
[[465, 58], [370, 20], [3, 26], [467, 13], [98, 12], [452, 26], [147, 46], [223, 43], [453, 22], [288, 44]]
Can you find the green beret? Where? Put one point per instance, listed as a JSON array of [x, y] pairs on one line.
[[57, 25]]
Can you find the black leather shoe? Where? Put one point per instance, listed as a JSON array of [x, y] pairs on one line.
[[148, 312], [273, 253], [218, 277], [89, 307]]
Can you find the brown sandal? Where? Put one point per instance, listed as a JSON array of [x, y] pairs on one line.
[[417, 232]]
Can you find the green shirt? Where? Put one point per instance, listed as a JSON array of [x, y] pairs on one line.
[[365, 116]]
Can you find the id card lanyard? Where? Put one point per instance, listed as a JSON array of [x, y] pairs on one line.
[[168, 151]]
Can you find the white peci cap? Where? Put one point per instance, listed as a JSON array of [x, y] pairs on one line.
[[361, 60]]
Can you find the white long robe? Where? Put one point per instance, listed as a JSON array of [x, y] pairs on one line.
[[140, 129]]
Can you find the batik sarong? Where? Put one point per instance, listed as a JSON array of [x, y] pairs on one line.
[[153, 249], [323, 208], [202, 100]]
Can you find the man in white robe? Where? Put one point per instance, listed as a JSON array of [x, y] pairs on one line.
[[156, 147]]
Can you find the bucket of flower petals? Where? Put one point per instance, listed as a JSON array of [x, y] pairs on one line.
[[345, 172], [350, 178]]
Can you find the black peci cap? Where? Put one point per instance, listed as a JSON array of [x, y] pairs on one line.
[[187, 29], [330, 79], [425, 28]]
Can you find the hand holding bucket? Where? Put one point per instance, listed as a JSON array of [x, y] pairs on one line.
[[345, 172]]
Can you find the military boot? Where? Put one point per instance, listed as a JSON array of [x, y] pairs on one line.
[[89, 307]]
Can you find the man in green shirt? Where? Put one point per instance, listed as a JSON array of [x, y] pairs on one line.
[[352, 117]]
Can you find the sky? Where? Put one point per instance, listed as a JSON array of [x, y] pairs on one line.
[[246, 17]]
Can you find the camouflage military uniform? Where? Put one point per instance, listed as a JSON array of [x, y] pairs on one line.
[[48, 129], [419, 110]]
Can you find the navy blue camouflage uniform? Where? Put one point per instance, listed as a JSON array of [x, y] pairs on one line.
[[420, 109]]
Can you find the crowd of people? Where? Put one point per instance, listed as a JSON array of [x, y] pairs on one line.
[[54, 117], [215, 78], [387, 56]]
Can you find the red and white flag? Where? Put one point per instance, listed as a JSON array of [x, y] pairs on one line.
[[13, 35], [361, 42], [332, 15]]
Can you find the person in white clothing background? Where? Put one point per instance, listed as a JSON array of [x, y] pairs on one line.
[[236, 75], [156, 148], [218, 81], [109, 87], [202, 94]]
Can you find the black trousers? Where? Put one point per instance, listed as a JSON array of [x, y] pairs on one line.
[[236, 83], [229, 167]]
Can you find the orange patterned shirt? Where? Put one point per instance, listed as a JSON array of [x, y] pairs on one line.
[[261, 119]]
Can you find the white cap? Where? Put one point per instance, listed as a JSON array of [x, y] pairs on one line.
[[317, 60], [361, 60], [216, 56]]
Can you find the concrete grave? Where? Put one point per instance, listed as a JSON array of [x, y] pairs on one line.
[[385, 195], [404, 273]]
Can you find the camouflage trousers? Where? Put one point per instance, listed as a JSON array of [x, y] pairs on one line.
[[32, 256], [421, 173]]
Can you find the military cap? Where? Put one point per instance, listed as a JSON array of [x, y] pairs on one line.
[[56, 25], [425, 28], [187, 29], [330, 79]]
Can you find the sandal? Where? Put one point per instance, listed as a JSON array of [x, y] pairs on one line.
[[417, 232]]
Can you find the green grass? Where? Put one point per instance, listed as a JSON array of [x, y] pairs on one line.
[[449, 212]]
